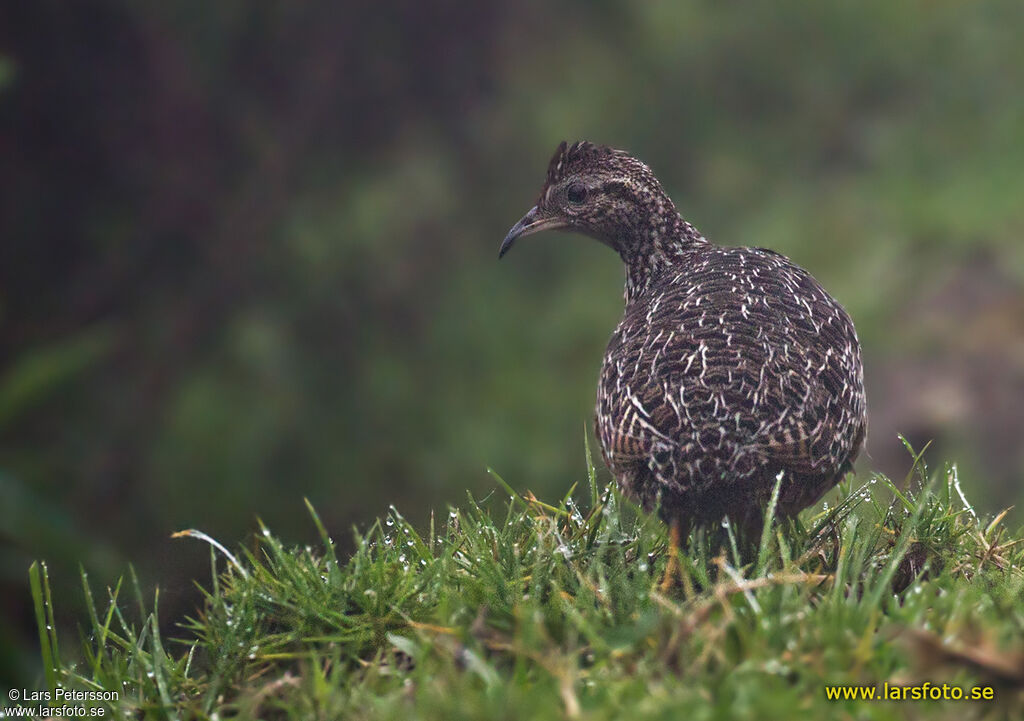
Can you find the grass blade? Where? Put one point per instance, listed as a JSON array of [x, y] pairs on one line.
[[39, 583]]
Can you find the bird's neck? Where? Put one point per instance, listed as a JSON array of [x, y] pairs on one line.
[[655, 245]]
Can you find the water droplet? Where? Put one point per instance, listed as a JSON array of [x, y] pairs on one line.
[[453, 514], [423, 562], [401, 558], [390, 521]]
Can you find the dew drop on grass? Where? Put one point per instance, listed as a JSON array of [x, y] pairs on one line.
[[401, 559], [390, 521], [423, 562]]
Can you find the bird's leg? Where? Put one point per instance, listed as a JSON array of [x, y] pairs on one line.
[[672, 567]]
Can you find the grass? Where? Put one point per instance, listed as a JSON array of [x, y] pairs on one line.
[[514, 608]]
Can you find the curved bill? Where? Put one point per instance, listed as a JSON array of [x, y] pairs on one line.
[[529, 223]]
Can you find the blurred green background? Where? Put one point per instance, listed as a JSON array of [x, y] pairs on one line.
[[248, 249]]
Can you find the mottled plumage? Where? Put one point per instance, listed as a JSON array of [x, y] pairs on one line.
[[729, 366]]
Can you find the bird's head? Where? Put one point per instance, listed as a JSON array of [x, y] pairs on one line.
[[604, 193]]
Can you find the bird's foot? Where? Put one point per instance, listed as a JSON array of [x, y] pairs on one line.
[[672, 575]]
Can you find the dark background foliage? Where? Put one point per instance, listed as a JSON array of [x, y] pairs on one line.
[[248, 249]]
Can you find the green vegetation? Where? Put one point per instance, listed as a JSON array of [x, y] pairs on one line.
[[513, 608], [248, 249]]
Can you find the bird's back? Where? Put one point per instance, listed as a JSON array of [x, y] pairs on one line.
[[734, 364]]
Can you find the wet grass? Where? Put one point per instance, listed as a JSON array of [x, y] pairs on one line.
[[515, 608]]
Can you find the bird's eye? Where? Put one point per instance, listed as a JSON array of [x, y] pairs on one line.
[[577, 193]]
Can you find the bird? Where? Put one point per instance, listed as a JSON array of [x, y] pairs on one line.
[[732, 369]]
